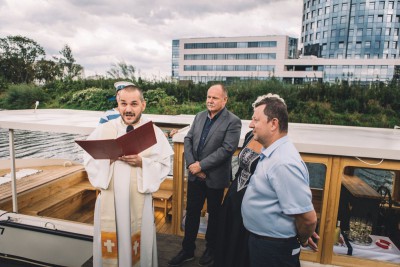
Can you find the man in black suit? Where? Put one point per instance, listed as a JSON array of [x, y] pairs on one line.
[[209, 146]]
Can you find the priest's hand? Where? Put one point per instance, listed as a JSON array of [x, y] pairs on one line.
[[133, 160]]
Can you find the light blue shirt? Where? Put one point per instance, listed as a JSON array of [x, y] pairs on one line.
[[109, 115], [278, 189]]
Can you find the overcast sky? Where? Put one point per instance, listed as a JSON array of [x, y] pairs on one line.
[[140, 32]]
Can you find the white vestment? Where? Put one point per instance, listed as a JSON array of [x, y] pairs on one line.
[[155, 167]]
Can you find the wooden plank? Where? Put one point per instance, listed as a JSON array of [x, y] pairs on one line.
[[359, 188], [47, 174]]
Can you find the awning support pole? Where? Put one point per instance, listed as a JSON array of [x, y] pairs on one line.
[[13, 175]]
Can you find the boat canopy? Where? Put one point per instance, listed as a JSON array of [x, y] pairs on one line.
[[365, 142]]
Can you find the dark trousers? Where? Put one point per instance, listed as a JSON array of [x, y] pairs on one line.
[[273, 253], [197, 192]]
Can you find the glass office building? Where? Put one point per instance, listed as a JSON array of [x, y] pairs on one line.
[[353, 30], [231, 58]]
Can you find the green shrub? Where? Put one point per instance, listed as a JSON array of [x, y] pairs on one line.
[[23, 96], [89, 99]]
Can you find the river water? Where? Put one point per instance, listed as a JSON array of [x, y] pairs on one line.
[[30, 144]]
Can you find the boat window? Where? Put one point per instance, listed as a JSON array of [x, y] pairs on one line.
[[369, 214], [317, 173]]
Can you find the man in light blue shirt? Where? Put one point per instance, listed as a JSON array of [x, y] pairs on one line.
[[277, 207], [114, 113]]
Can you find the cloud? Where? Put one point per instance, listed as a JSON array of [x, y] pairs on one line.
[[140, 32]]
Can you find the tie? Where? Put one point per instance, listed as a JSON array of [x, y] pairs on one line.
[[129, 128]]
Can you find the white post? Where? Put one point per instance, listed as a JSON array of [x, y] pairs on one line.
[[13, 176]]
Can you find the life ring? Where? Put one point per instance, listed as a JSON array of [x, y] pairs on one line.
[[383, 243]]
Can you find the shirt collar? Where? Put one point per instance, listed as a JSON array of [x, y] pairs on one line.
[[216, 115], [266, 152]]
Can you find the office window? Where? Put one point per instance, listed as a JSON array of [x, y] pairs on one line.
[[358, 45], [308, 4], [359, 32], [305, 38], [324, 34], [327, 9], [319, 11], [386, 44], [367, 44], [339, 56], [302, 28], [311, 25], [313, 13], [335, 8], [326, 22], [311, 37], [344, 6], [341, 45], [323, 47], [380, 18], [332, 46], [308, 15], [362, 6], [352, 20], [394, 45], [360, 19], [398, 18], [305, 7], [381, 5], [357, 56], [306, 27], [377, 44], [313, 2], [334, 20], [396, 32], [317, 36], [366, 56], [333, 33], [341, 32], [304, 17], [351, 32], [370, 18], [369, 31], [391, 5], [343, 19], [388, 18], [371, 5], [319, 23], [378, 31], [387, 32]]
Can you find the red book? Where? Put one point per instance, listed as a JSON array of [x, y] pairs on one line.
[[131, 143]]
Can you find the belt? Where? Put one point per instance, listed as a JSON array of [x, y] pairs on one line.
[[273, 238]]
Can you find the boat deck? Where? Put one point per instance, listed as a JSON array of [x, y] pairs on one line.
[[46, 174]]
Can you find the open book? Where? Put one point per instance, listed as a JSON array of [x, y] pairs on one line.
[[131, 143]]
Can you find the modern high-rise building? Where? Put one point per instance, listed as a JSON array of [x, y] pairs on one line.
[[354, 40], [360, 36]]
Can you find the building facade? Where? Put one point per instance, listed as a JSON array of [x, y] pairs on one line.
[[356, 34], [354, 40]]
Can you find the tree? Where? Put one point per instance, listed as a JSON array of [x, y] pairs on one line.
[[69, 68], [47, 70], [121, 70], [18, 55]]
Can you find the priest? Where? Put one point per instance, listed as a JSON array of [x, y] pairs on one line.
[[124, 230]]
